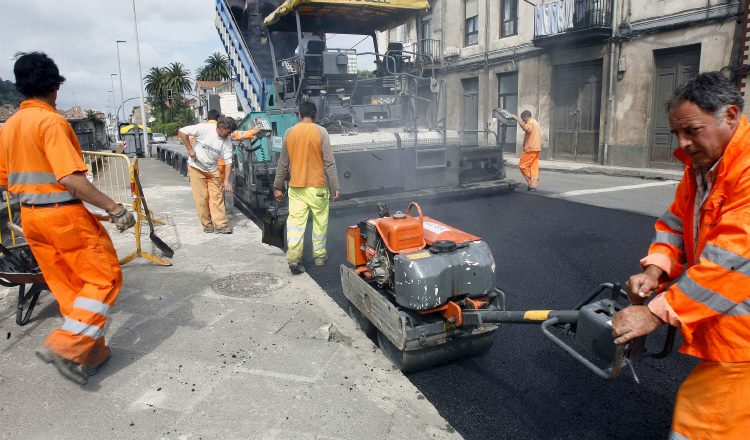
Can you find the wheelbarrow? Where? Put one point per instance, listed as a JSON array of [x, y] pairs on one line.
[[20, 269]]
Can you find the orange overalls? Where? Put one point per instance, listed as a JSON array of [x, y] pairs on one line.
[[79, 263], [703, 243], [528, 163]]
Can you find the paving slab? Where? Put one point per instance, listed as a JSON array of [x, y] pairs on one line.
[[223, 344]]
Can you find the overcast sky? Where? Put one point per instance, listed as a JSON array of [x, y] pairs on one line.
[[80, 36]]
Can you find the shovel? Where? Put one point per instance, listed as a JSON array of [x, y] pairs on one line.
[[273, 229], [158, 242]]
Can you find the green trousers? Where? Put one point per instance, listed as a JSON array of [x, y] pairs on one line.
[[302, 202]]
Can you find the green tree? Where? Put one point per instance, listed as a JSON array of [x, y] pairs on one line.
[[178, 78], [216, 68], [9, 94], [364, 74], [91, 116], [156, 87]]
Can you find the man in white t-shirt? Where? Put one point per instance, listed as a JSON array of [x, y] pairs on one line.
[[211, 142]]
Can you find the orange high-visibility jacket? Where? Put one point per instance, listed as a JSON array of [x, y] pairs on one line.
[[708, 254], [37, 148]]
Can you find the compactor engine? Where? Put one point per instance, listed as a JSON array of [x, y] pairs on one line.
[[422, 262]]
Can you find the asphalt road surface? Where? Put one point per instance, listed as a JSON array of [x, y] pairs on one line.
[[549, 254]]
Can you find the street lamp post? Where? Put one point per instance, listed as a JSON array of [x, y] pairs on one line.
[[119, 71], [114, 103], [140, 89]]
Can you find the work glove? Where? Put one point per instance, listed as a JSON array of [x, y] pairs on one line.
[[262, 127], [122, 219], [261, 132]]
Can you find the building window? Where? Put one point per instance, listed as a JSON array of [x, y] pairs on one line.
[[425, 36], [471, 22], [508, 18]]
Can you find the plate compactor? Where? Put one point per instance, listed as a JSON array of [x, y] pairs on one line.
[[427, 292]]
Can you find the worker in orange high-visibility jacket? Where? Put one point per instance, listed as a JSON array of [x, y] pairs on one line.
[[42, 165], [700, 258], [528, 163]]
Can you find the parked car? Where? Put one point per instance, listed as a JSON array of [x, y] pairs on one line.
[[159, 138]]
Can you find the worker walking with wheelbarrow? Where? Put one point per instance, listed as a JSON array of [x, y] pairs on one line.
[[42, 165]]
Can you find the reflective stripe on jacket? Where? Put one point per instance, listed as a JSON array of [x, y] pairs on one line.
[[711, 294], [37, 148]]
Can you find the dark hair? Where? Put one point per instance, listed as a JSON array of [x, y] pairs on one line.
[[307, 109], [213, 114], [711, 91], [525, 113], [36, 75], [227, 123]]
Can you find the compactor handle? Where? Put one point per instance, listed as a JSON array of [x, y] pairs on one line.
[[419, 210], [609, 373]]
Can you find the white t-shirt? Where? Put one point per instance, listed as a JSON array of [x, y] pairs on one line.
[[208, 146]]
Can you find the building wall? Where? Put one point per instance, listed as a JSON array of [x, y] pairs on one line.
[[649, 25], [633, 103]]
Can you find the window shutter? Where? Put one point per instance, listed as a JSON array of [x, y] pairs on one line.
[[472, 8]]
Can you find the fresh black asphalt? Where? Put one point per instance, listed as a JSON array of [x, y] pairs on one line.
[[549, 254]]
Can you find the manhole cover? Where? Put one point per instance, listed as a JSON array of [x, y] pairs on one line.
[[248, 284]]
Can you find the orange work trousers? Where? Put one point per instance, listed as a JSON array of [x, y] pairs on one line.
[[713, 403], [208, 195], [80, 267], [529, 166]]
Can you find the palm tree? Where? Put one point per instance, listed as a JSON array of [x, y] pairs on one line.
[[217, 68], [156, 86], [178, 78]]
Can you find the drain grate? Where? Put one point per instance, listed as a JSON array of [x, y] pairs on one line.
[[248, 284]]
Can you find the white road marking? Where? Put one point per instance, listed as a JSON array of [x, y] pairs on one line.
[[612, 189]]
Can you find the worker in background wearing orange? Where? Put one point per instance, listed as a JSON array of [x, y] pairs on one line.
[[700, 260], [41, 164], [532, 146], [307, 157]]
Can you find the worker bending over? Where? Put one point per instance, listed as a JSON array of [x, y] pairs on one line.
[[209, 145], [700, 260], [41, 164], [306, 156]]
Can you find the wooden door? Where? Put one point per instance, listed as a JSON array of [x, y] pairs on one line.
[[672, 68], [576, 95]]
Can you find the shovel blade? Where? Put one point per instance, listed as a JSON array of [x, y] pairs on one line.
[[161, 245], [274, 232]]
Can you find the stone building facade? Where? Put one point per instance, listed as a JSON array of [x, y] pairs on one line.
[[595, 73]]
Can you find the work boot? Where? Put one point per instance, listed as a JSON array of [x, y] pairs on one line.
[[296, 268], [208, 229], [321, 261], [100, 356], [69, 369], [224, 230]]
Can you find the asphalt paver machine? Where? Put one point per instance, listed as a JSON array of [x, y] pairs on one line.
[[426, 291], [388, 129]]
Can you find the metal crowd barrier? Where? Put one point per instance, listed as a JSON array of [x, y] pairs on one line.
[[114, 175], [111, 174]]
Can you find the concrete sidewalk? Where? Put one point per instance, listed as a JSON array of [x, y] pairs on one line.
[[589, 168], [224, 344]]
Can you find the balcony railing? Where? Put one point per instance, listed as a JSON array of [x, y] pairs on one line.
[[431, 47], [593, 15]]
